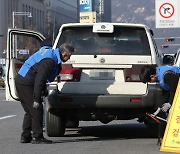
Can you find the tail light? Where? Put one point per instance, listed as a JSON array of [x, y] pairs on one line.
[[68, 73], [132, 74], [136, 100]]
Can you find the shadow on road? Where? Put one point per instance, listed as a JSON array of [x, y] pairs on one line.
[[106, 132], [115, 131]]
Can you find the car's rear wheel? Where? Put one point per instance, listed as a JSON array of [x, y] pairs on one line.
[[55, 125]]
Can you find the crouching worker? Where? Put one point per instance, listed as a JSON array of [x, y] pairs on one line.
[[168, 77], [30, 81]]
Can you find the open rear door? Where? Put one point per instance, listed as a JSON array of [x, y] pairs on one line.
[[21, 44]]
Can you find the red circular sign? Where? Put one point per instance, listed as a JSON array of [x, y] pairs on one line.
[[166, 10]]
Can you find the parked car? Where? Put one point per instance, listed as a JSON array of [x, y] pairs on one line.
[[101, 80]]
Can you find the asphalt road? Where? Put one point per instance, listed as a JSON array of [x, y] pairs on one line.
[[117, 137]]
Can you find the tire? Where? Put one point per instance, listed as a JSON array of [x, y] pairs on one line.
[[72, 124], [55, 125]]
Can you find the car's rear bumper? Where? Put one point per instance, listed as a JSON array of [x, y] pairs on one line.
[[70, 101]]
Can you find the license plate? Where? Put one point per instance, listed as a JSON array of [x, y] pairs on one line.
[[105, 74]]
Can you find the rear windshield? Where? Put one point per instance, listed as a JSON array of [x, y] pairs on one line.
[[123, 41]]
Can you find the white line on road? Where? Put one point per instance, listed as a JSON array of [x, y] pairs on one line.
[[1, 118]]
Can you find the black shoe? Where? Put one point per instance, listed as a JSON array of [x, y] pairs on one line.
[[25, 139], [41, 140]]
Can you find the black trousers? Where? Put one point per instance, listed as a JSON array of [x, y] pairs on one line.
[[32, 121], [171, 79]]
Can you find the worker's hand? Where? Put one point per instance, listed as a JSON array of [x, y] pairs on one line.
[[165, 107], [35, 105]]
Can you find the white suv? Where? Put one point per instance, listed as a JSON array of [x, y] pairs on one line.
[[101, 80]]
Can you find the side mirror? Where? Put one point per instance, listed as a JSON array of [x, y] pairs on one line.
[[168, 59]]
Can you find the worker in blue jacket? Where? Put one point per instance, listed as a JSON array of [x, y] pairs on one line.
[[42, 66], [168, 77]]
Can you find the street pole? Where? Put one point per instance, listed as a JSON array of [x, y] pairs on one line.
[[13, 39], [13, 20], [1, 35], [54, 26]]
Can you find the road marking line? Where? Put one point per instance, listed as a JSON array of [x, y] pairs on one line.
[[1, 118]]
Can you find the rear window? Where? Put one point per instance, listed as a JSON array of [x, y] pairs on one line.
[[123, 41]]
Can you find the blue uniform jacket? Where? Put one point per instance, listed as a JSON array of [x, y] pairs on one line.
[[160, 74], [43, 66]]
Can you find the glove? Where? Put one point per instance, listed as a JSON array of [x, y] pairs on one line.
[[165, 107], [35, 105]]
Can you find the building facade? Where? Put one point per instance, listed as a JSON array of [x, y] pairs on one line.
[[92, 11], [60, 12], [45, 16]]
